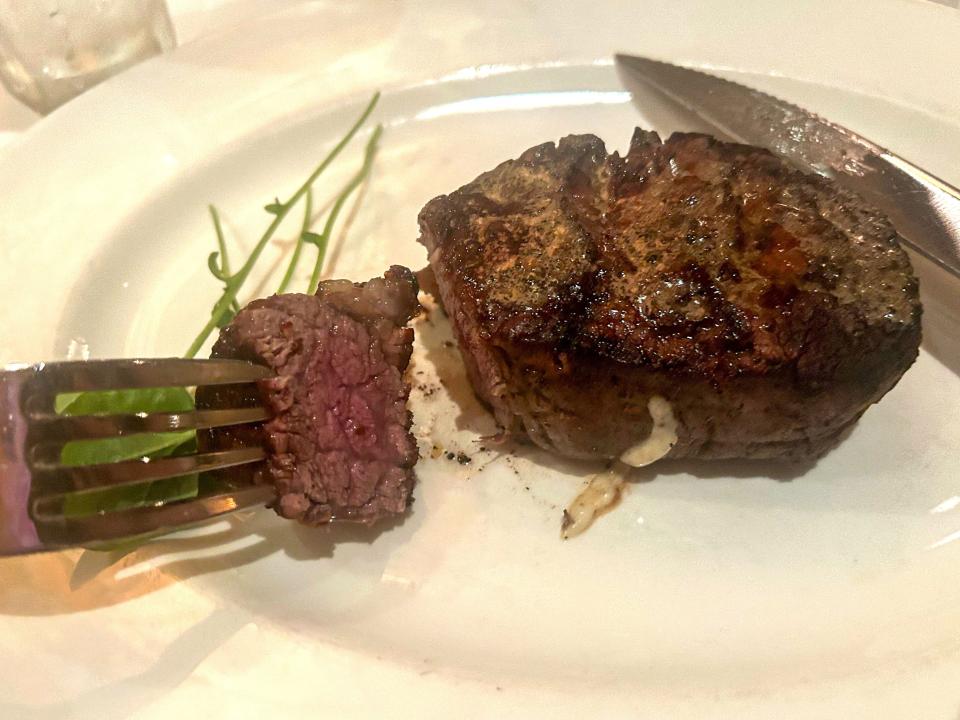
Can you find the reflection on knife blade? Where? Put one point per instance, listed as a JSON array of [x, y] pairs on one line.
[[924, 209]]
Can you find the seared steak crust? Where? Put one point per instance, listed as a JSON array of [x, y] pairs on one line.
[[339, 443], [770, 307]]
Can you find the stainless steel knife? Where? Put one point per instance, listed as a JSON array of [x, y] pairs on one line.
[[924, 209]]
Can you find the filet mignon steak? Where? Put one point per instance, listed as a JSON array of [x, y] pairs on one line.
[[769, 307], [339, 443]]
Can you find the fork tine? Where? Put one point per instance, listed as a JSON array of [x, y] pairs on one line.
[[57, 530], [91, 427], [34, 486], [129, 374], [51, 479]]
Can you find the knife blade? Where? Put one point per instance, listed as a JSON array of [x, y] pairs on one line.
[[924, 209]]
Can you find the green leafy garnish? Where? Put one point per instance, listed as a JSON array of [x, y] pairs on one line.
[[308, 236], [324, 238], [279, 210], [128, 447], [301, 239], [158, 445], [219, 263], [125, 402]]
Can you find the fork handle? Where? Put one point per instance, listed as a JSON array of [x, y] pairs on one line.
[[18, 534]]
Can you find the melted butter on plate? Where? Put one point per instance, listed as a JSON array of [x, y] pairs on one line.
[[661, 439], [603, 489]]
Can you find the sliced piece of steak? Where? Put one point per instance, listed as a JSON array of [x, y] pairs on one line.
[[339, 443], [768, 306]]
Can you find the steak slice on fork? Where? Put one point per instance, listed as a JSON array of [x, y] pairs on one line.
[[338, 442]]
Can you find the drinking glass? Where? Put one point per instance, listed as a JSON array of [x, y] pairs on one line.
[[53, 50]]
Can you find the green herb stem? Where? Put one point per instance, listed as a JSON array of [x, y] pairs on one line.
[[235, 282], [324, 240], [298, 248], [222, 248]]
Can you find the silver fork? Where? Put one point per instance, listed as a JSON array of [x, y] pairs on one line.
[[34, 483]]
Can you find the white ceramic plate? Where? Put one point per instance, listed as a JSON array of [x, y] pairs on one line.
[[712, 591]]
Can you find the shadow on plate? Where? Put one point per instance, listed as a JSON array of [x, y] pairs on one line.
[[123, 697], [434, 334], [80, 580]]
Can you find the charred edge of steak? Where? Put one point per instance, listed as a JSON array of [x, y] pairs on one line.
[[579, 283], [338, 442]]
